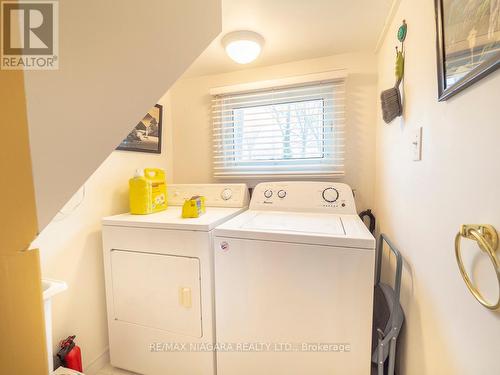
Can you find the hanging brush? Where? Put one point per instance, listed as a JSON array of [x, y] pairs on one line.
[[391, 98]]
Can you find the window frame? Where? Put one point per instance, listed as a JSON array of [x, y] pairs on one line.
[[284, 161], [232, 167]]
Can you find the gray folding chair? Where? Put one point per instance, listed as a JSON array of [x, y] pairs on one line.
[[388, 316]]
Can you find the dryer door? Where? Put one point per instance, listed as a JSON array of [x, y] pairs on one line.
[[157, 291]]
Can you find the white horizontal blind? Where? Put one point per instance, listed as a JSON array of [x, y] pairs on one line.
[[284, 131]]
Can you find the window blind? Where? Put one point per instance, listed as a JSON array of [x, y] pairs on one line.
[[295, 131]]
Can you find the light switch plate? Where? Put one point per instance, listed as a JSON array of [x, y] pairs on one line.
[[417, 144]]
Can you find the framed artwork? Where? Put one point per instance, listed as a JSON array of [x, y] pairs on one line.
[[146, 136], [468, 43]]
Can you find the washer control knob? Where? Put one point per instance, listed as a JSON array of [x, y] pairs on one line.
[[268, 193], [330, 194], [282, 194], [226, 194]]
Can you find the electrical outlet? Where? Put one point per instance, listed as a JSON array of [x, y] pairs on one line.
[[417, 144]]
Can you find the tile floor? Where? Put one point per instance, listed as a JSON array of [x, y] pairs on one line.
[[110, 370]]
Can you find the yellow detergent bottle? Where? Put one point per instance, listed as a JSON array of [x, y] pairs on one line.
[[158, 188], [148, 191]]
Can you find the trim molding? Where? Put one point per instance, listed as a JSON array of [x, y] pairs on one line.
[[282, 82], [97, 364], [388, 21]]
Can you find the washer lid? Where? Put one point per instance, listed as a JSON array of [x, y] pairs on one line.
[[299, 227], [296, 222], [171, 218]]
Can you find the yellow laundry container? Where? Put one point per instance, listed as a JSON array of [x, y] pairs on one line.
[[148, 191]]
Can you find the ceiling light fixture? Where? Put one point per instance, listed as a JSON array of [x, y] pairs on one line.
[[243, 46]]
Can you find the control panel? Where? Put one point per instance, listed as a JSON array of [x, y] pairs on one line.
[[328, 197], [216, 195]]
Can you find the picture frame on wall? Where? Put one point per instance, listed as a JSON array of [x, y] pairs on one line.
[[468, 43], [146, 135]]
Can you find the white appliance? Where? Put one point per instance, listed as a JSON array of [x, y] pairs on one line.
[[159, 283], [294, 279], [50, 289]]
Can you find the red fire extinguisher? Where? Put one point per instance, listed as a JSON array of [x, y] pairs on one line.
[[70, 354]]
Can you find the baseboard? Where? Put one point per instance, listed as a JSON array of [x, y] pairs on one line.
[[97, 364]]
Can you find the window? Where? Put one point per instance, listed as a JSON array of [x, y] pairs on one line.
[[280, 131]]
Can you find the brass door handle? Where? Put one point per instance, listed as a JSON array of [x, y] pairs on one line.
[[487, 238]]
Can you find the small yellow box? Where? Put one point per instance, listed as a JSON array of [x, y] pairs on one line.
[[193, 207]]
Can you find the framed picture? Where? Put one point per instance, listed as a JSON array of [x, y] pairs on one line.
[[468, 43], [146, 136]]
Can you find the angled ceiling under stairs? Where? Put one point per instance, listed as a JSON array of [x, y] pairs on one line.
[[116, 59]]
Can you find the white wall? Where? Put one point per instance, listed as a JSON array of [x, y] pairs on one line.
[[191, 115], [71, 248], [115, 59], [422, 204]]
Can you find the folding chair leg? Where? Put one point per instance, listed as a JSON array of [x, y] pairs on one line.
[[381, 368], [380, 356], [392, 355]]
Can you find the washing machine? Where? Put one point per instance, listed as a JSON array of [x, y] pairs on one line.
[[294, 278], [159, 283]]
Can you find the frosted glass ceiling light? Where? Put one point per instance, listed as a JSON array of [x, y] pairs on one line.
[[243, 46]]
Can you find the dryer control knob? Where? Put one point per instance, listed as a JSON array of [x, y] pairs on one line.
[[226, 194], [282, 194], [330, 195], [268, 193]]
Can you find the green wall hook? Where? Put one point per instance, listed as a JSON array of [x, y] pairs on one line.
[[402, 32]]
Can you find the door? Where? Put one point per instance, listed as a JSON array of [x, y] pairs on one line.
[[292, 309], [157, 291]]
